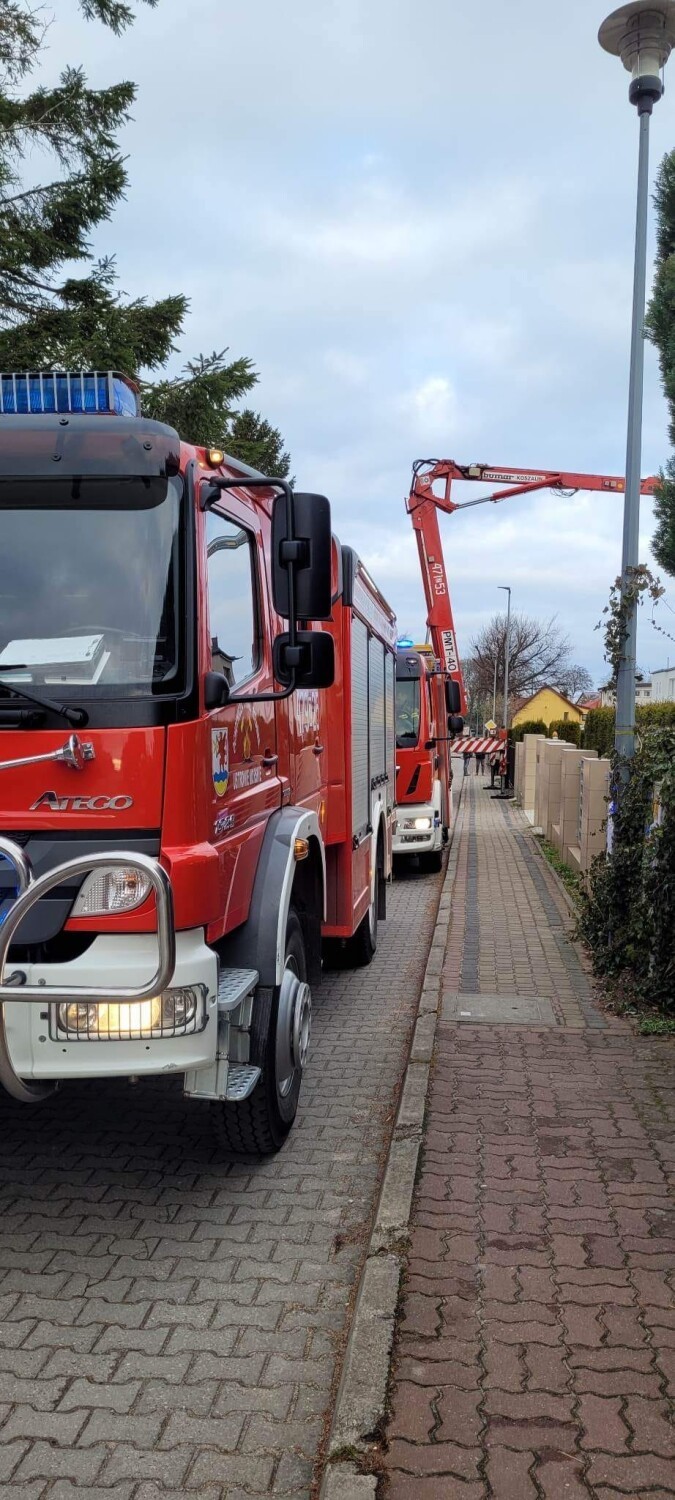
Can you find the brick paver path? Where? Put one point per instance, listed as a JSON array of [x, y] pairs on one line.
[[170, 1324], [536, 1350]]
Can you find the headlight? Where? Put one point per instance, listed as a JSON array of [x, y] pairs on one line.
[[177, 1012], [421, 824], [104, 892]]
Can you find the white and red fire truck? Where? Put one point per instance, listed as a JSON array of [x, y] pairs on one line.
[[424, 729], [197, 757]]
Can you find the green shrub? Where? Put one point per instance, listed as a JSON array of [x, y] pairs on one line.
[[566, 730], [628, 918], [530, 726], [600, 722], [655, 716], [599, 730]]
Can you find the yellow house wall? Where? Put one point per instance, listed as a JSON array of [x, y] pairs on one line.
[[546, 705]]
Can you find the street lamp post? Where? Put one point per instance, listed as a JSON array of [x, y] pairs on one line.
[[494, 689], [642, 34], [507, 653]]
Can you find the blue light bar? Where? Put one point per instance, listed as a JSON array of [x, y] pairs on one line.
[[78, 391], [403, 644]]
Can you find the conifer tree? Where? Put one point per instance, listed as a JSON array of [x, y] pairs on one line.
[[661, 330], [58, 307]]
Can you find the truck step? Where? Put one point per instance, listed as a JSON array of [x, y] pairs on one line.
[[234, 985], [241, 1081]]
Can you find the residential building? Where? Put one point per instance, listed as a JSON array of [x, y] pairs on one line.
[[663, 685], [643, 693], [548, 705]]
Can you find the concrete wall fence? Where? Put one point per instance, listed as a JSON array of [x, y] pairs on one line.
[[563, 793]]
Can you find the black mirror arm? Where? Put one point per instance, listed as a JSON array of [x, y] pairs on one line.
[[246, 482]]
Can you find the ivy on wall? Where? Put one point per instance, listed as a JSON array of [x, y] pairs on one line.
[[628, 917]]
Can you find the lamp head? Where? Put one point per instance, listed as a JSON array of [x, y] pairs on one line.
[[642, 34]]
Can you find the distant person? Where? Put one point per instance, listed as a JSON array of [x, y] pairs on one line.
[[494, 766], [466, 757], [480, 762]]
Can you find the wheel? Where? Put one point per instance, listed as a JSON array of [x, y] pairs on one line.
[[361, 949], [280, 1032], [432, 862]]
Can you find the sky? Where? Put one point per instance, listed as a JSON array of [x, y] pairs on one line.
[[417, 218]]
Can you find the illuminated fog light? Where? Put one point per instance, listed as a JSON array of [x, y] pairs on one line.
[[177, 1012], [110, 1019], [105, 892]]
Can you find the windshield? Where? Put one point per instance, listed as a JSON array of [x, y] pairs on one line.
[[407, 713], [90, 587]]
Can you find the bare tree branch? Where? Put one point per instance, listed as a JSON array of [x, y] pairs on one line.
[[539, 654]]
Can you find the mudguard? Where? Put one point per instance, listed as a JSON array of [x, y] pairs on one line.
[[260, 943]]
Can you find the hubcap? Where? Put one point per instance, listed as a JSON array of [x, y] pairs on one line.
[[302, 1025], [294, 1024]]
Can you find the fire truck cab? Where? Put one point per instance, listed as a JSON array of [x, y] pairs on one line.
[[423, 766], [175, 759]]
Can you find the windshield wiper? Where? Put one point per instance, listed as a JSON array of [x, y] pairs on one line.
[[76, 716]]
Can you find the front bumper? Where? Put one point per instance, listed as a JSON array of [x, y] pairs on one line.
[[122, 961], [411, 841]]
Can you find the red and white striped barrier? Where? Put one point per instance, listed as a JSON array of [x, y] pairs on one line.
[[463, 745]]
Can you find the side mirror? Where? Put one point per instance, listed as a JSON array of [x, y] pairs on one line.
[[430, 745], [313, 658], [453, 697], [307, 552], [455, 723], [216, 690]]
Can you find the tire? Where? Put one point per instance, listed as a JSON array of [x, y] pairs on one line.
[[361, 949], [259, 1125], [432, 863]]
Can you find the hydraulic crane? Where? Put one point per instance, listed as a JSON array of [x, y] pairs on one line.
[[424, 503]]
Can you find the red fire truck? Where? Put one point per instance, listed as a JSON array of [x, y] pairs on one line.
[[424, 729], [197, 758]]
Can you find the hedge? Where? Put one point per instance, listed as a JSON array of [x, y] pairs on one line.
[[600, 722], [628, 918], [599, 730], [530, 726], [566, 730]]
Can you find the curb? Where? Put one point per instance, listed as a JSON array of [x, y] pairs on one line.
[[361, 1405], [562, 888]]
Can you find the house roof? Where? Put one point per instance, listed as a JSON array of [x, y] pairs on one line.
[[546, 687]]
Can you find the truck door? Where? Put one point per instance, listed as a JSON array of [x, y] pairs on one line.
[[307, 712], [246, 785]]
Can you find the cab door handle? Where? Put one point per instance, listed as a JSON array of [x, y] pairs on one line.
[[270, 760]]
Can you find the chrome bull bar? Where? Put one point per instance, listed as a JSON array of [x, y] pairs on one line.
[[14, 988], [32, 889]]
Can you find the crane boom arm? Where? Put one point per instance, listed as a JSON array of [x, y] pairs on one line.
[[423, 504], [426, 473]]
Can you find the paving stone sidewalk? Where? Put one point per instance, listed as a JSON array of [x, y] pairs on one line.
[[536, 1349], [171, 1324]]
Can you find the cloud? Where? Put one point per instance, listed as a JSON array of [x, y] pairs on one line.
[[418, 254], [434, 407]]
